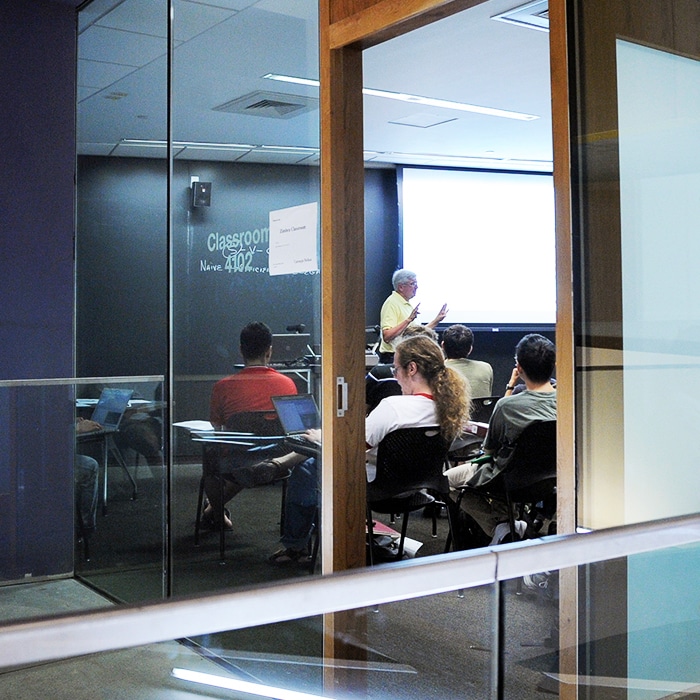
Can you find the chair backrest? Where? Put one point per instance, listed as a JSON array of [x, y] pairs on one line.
[[224, 456], [533, 464], [482, 408], [264, 423], [380, 383], [409, 459]]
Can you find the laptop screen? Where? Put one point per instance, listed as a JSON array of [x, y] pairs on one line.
[[297, 412], [289, 347], [111, 406]]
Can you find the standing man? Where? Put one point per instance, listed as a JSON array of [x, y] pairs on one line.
[[457, 344], [398, 314]]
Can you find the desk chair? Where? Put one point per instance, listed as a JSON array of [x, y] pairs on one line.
[[410, 463], [529, 478], [468, 445], [250, 437]]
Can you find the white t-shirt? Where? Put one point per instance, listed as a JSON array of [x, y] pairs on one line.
[[392, 413]]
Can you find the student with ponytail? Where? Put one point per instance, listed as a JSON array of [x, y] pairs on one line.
[[432, 394]]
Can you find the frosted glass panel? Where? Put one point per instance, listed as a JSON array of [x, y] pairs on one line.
[[659, 150]]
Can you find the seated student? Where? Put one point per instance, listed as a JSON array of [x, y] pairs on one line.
[[248, 390], [85, 477], [458, 343], [535, 358], [380, 381], [432, 394]]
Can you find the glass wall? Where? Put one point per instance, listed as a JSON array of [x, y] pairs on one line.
[[498, 636], [83, 490], [244, 174], [198, 185], [638, 320], [638, 136]]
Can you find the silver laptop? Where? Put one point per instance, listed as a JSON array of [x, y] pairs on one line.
[[110, 408], [289, 347]]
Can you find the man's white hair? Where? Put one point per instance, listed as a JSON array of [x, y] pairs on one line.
[[401, 276]]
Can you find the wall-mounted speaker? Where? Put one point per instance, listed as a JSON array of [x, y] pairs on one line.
[[201, 194]]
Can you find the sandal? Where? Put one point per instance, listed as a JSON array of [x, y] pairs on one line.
[[285, 556], [211, 523]]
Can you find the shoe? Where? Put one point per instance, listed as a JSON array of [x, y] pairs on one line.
[[502, 532], [537, 581], [211, 523], [286, 555], [259, 474]]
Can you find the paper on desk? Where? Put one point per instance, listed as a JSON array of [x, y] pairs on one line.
[[194, 425]]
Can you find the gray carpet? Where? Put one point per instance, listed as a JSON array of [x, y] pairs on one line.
[[438, 647]]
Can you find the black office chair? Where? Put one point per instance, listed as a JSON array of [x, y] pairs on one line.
[[468, 445], [410, 465], [250, 437], [530, 477]]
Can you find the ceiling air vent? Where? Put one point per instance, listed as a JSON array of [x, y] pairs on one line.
[[275, 105]]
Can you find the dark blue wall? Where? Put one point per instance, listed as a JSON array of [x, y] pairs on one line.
[[37, 133]]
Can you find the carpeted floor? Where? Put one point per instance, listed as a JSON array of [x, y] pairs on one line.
[[128, 554], [438, 647]]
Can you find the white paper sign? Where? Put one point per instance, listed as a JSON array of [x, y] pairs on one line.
[[293, 233]]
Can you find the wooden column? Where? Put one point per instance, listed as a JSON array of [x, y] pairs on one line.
[[566, 453], [343, 303]]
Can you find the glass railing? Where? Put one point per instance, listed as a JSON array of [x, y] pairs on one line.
[[612, 613], [82, 490]]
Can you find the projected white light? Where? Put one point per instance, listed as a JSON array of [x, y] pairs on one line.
[[265, 691], [416, 99]]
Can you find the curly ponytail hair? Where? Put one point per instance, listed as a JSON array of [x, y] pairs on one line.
[[450, 391]]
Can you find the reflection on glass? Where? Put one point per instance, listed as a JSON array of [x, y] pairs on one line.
[[611, 628], [82, 494], [120, 489]]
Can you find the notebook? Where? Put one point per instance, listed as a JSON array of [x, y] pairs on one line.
[[298, 413], [110, 408]]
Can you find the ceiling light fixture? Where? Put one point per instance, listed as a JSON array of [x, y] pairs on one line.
[[265, 691], [154, 143], [416, 99]]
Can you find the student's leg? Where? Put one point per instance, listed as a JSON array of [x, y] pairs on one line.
[[213, 490], [86, 471], [300, 509]]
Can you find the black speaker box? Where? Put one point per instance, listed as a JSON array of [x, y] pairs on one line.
[[201, 194]]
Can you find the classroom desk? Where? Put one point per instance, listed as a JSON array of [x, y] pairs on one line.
[[105, 440]]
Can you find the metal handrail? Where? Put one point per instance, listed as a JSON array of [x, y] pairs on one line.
[[120, 628], [64, 381]]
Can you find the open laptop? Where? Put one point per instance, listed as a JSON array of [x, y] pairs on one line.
[[110, 408], [289, 347], [297, 413]]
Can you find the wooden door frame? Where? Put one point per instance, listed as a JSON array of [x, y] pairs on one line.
[[345, 31], [346, 28]]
